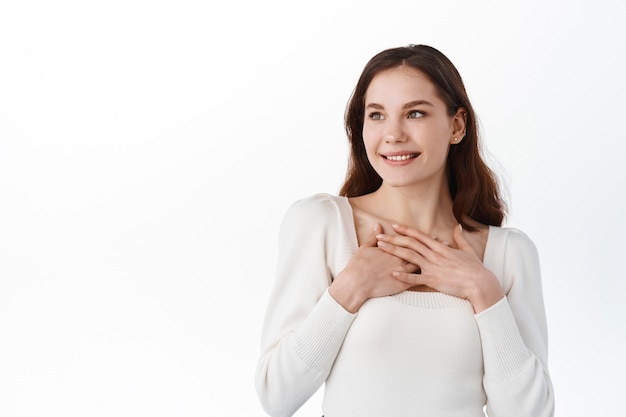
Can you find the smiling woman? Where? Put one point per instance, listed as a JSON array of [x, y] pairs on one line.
[[404, 132], [404, 294]]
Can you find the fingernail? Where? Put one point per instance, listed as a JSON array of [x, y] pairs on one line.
[[395, 225], [381, 243], [396, 274], [380, 236]]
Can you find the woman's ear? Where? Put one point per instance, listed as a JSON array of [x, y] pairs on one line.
[[458, 126]]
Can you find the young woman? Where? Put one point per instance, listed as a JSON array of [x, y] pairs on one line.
[[403, 294]]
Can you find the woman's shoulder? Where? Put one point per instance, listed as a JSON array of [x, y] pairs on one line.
[[317, 207], [511, 238], [510, 253], [320, 203], [323, 218], [320, 199]]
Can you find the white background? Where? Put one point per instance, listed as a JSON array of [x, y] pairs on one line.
[[149, 149]]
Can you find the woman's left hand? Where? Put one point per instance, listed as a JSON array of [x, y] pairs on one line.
[[457, 272]]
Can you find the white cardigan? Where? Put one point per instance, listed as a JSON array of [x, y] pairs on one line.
[[410, 354]]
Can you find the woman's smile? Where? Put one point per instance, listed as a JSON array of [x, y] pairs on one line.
[[400, 158]]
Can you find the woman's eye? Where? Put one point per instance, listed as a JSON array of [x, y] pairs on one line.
[[415, 114], [376, 116]]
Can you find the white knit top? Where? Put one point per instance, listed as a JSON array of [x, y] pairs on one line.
[[410, 354]]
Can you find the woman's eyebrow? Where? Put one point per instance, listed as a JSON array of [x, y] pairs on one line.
[[405, 106], [418, 103]]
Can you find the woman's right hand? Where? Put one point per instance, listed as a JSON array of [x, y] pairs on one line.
[[368, 274]]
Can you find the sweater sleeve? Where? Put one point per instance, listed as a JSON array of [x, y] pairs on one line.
[[514, 338], [304, 326]]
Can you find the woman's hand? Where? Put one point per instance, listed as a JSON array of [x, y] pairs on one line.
[[458, 272], [369, 274]]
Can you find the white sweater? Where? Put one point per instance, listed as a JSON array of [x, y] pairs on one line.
[[410, 354]]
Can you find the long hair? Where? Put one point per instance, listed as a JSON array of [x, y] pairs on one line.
[[473, 186]]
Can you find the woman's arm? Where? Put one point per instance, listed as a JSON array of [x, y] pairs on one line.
[[304, 326], [515, 340]]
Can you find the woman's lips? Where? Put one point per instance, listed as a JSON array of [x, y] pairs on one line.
[[400, 157]]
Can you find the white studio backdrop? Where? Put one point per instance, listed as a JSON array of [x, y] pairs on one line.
[[148, 151]]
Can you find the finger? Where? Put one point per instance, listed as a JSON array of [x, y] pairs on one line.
[[409, 268], [426, 240], [371, 239], [432, 254], [459, 239], [402, 241], [409, 255], [412, 268], [415, 279]]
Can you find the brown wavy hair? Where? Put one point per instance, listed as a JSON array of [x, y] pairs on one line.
[[473, 186]]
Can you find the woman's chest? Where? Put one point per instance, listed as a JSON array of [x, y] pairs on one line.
[[412, 332]]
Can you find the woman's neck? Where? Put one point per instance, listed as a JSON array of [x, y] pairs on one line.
[[426, 209]]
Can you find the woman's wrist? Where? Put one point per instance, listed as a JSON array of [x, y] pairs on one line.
[[488, 293], [346, 294]]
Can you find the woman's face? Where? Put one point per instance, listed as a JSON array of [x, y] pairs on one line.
[[407, 130]]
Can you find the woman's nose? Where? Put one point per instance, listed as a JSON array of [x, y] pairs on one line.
[[394, 133]]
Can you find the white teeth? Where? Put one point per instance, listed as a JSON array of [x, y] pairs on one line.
[[400, 157]]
